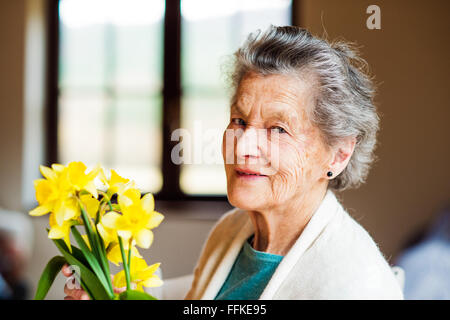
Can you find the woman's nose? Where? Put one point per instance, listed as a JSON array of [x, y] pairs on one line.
[[248, 145]]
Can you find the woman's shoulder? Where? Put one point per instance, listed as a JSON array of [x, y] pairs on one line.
[[351, 256], [351, 234], [343, 262]]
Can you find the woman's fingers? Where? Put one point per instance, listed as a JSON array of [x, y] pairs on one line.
[[72, 288], [75, 294], [119, 290], [66, 271], [85, 296]]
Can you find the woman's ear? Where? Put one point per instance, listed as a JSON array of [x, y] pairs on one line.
[[342, 152]]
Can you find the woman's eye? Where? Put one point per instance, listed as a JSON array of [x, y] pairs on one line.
[[238, 121], [279, 129]]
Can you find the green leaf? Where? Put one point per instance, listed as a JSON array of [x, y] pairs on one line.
[[92, 260], [76, 252], [135, 295], [48, 276], [104, 259], [89, 231], [93, 285]]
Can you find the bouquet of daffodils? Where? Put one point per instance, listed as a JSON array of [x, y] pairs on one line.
[[77, 198]]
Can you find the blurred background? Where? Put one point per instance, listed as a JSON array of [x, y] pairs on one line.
[[107, 81]]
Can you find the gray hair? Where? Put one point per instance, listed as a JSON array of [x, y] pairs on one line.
[[344, 102]]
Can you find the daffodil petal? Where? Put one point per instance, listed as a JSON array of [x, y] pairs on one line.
[[102, 177], [59, 215], [94, 172], [137, 265], [153, 281], [58, 167], [109, 220], [135, 252], [39, 211], [148, 203], [108, 235], [91, 204], [56, 233], [114, 255], [153, 267], [119, 280], [70, 210], [144, 238], [139, 287], [129, 196], [92, 189], [48, 173], [125, 235], [116, 178], [155, 220], [148, 271]]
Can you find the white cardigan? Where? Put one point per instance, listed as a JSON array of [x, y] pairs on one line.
[[334, 258]]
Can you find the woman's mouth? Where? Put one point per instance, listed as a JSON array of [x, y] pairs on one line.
[[249, 174]]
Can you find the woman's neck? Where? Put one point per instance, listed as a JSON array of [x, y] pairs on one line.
[[277, 229]]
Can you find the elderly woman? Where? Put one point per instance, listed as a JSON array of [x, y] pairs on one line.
[[308, 126]]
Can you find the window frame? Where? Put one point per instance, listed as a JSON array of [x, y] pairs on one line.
[[171, 96]]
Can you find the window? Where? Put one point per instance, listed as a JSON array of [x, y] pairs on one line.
[[110, 82], [127, 71]]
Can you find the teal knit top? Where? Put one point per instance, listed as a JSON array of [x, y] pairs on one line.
[[249, 275]]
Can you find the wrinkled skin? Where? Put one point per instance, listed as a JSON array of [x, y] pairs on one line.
[[295, 177]]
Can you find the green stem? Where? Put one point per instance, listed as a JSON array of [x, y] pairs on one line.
[[93, 262], [129, 255], [104, 258], [96, 247], [89, 231], [125, 264]]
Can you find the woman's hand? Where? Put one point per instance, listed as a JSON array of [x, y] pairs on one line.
[[78, 294]]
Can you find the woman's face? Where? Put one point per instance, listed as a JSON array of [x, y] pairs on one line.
[[277, 154]]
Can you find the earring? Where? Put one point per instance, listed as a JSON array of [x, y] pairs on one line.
[[329, 173]]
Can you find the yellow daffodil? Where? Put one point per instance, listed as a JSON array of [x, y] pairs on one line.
[[54, 194], [60, 231], [108, 235], [141, 275], [115, 256], [80, 180], [90, 204], [137, 219], [118, 183], [76, 196]]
